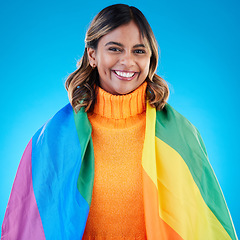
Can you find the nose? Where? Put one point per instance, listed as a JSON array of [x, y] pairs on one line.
[[127, 59]]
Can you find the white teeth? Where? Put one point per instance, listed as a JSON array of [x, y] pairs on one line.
[[124, 74]]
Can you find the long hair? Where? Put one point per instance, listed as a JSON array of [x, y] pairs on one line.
[[82, 84]]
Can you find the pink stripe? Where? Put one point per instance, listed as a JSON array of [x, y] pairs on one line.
[[22, 219]]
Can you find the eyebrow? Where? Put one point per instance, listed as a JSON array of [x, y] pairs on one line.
[[121, 45]]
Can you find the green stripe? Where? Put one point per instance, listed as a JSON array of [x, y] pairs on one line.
[[86, 174], [183, 137]]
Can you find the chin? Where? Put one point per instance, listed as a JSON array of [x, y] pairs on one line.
[[125, 90]]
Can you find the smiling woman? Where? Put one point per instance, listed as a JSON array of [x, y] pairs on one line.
[[122, 60], [118, 162], [119, 42]]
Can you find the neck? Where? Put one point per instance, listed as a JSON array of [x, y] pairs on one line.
[[121, 106]]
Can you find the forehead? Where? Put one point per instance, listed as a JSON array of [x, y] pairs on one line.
[[126, 34]]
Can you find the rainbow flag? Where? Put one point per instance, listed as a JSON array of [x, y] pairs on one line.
[[51, 194], [182, 197]]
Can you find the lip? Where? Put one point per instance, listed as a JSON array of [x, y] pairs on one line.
[[125, 78]]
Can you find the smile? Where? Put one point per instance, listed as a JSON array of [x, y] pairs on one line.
[[124, 75]]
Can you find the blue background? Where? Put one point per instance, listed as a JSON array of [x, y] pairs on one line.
[[41, 42]]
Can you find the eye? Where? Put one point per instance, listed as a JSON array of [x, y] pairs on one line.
[[114, 49], [139, 51]]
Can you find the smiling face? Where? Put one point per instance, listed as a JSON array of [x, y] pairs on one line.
[[122, 58]]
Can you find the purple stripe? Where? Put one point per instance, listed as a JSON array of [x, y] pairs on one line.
[[22, 219]]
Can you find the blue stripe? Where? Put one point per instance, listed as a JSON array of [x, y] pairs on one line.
[[56, 162]]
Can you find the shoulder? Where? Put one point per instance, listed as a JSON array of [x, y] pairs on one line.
[[63, 125], [175, 129], [61, 121], [63, 114], [169, 116]]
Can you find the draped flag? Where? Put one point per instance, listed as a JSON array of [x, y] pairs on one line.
[[183, 199], [51, 194]]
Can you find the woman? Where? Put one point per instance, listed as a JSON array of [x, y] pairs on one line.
[[118, 163]]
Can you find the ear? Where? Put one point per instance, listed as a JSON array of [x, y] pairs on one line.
[[92, 57]]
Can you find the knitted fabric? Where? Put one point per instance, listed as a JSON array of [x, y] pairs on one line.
[[118, 127]]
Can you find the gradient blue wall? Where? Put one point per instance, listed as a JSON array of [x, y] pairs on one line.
[[199, 40]]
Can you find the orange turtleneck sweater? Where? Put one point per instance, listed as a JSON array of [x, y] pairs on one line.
[[118, 129]]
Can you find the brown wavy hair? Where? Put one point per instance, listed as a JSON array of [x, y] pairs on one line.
[[82, 84]]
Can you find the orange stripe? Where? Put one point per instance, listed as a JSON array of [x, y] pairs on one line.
[[156, 227]]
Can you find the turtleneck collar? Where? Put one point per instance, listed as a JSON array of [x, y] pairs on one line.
[[121, 106]]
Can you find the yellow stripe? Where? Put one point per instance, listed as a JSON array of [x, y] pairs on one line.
[[181, 204], [149, 145]]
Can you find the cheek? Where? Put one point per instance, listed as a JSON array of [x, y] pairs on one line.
[[145, 67], [105, 63]]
